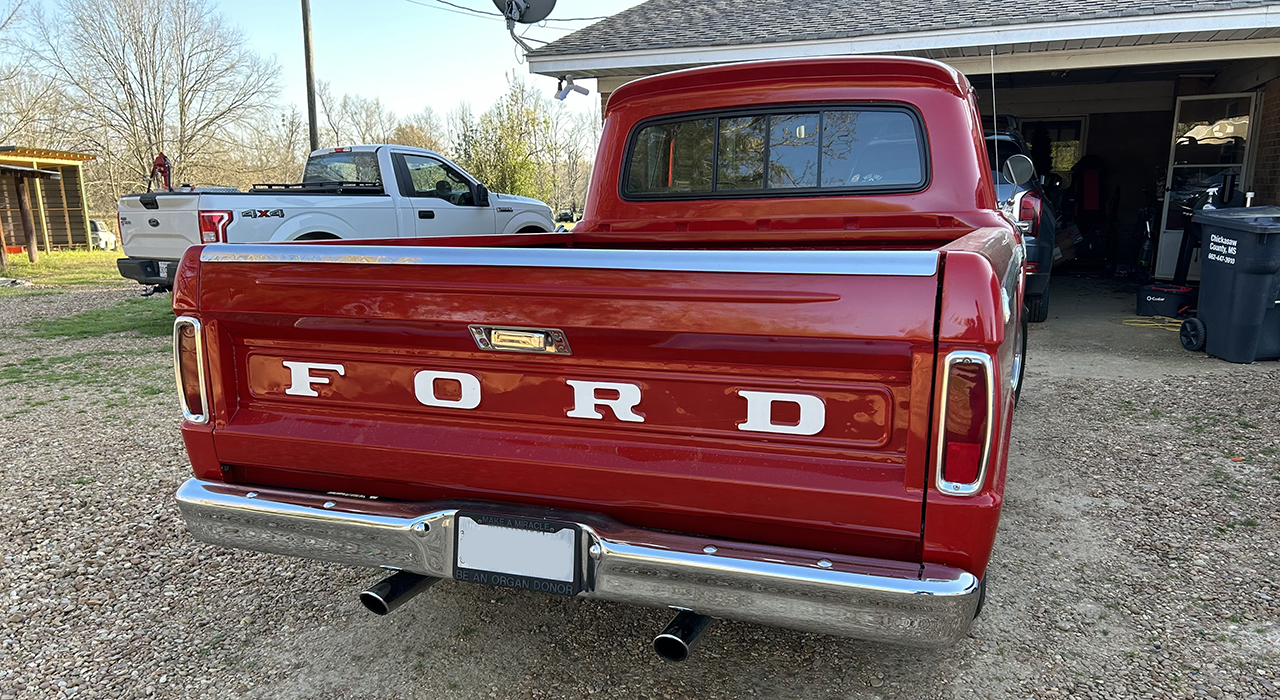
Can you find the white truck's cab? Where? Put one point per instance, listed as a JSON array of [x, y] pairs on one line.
[[366, 192]]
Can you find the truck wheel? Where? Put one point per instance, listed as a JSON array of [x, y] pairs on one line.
[[1038, 307], [982, 597], [1192, 334]]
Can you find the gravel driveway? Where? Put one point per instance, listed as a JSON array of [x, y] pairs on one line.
[[1137, 556]]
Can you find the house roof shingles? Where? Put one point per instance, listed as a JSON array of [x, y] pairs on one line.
[[668, 24]]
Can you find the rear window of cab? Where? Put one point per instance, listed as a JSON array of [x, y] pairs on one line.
[[786, 151]]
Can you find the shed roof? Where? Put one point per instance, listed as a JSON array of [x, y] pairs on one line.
[[661, 24], [26, 153]]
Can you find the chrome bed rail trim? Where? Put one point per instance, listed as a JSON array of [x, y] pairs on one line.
[[882, 601], [902, 263]]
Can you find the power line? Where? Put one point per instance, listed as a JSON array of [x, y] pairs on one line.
[[470, 9], [468, 13], [502, 16]]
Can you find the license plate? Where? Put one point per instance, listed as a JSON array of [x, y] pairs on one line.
[[527, 553]]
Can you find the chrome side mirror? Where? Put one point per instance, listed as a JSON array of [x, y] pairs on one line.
[[1018, 169]]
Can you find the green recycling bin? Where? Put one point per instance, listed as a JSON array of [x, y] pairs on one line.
[[1238, 318]]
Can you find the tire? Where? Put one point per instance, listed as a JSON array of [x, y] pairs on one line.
[[1020, 364], [982, 597], [317, 236], [1192, 334], [1038, 307]]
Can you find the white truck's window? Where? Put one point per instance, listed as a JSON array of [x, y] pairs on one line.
[[432, 178], [872, 148], [344, 166]]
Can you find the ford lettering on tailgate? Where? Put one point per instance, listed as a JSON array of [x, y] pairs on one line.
[[691, 404]]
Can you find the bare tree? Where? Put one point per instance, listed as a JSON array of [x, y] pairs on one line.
[[150, 76], [12, 118], [273, 151], [353, 119], [30, 109], [422, 130], [9, 13]]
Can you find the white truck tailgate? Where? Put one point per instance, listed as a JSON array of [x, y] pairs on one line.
[[163, 233]]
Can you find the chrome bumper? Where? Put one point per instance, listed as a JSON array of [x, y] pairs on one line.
[[878, 600]]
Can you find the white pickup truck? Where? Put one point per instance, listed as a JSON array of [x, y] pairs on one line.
[[367, 192]]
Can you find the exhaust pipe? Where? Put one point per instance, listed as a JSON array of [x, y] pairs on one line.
[[681, 635], [392, 592]]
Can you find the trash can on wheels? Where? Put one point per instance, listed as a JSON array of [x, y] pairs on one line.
[[1238, 318]]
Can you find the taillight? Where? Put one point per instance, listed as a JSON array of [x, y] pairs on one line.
[[213, 226], [188, 367], [1029, 206], [1033, 267], [965, 423]]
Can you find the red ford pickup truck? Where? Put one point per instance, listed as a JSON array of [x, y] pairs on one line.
[[769, 377]]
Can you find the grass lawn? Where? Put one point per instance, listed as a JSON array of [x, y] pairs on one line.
[[68, 268], [151, 317]]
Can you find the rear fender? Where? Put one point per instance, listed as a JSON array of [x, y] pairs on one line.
[[198, 438], [526, 220], [981, 308], [312, 222]]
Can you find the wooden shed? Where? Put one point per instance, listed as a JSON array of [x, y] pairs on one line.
[[58, 205]]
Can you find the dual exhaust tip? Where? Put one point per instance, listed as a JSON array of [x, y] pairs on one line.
[[394, 591], [673, 644], [681, 635]]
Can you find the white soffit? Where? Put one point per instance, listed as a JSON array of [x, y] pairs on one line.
[[1148, 54], [1164, 38]]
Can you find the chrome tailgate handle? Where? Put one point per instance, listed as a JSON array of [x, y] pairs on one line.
[[541, 341]]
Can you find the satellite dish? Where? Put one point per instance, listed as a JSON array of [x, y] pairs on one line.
[[525, 11]]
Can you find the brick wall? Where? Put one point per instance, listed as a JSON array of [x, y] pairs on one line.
[[1266, 172]]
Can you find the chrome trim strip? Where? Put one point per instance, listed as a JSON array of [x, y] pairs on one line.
[[877, 600], [951, 487], [906, 263], [203, 416]]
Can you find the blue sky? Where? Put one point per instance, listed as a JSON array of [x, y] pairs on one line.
[[408, 54]]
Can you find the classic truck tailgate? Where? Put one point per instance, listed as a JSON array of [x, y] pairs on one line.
[[353, 362]]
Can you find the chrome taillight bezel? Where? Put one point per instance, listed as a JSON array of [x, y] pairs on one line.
[[951, 487], [203, 416]]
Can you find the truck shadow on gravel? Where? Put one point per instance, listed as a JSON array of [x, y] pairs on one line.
[[467, 641]]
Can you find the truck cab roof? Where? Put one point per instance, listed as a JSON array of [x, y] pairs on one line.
[[374, 147], [815, 149]]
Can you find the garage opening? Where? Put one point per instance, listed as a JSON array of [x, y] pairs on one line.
[[1127, 150], [1126, 154]]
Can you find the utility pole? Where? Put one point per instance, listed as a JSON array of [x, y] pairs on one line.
[[311, 76]]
